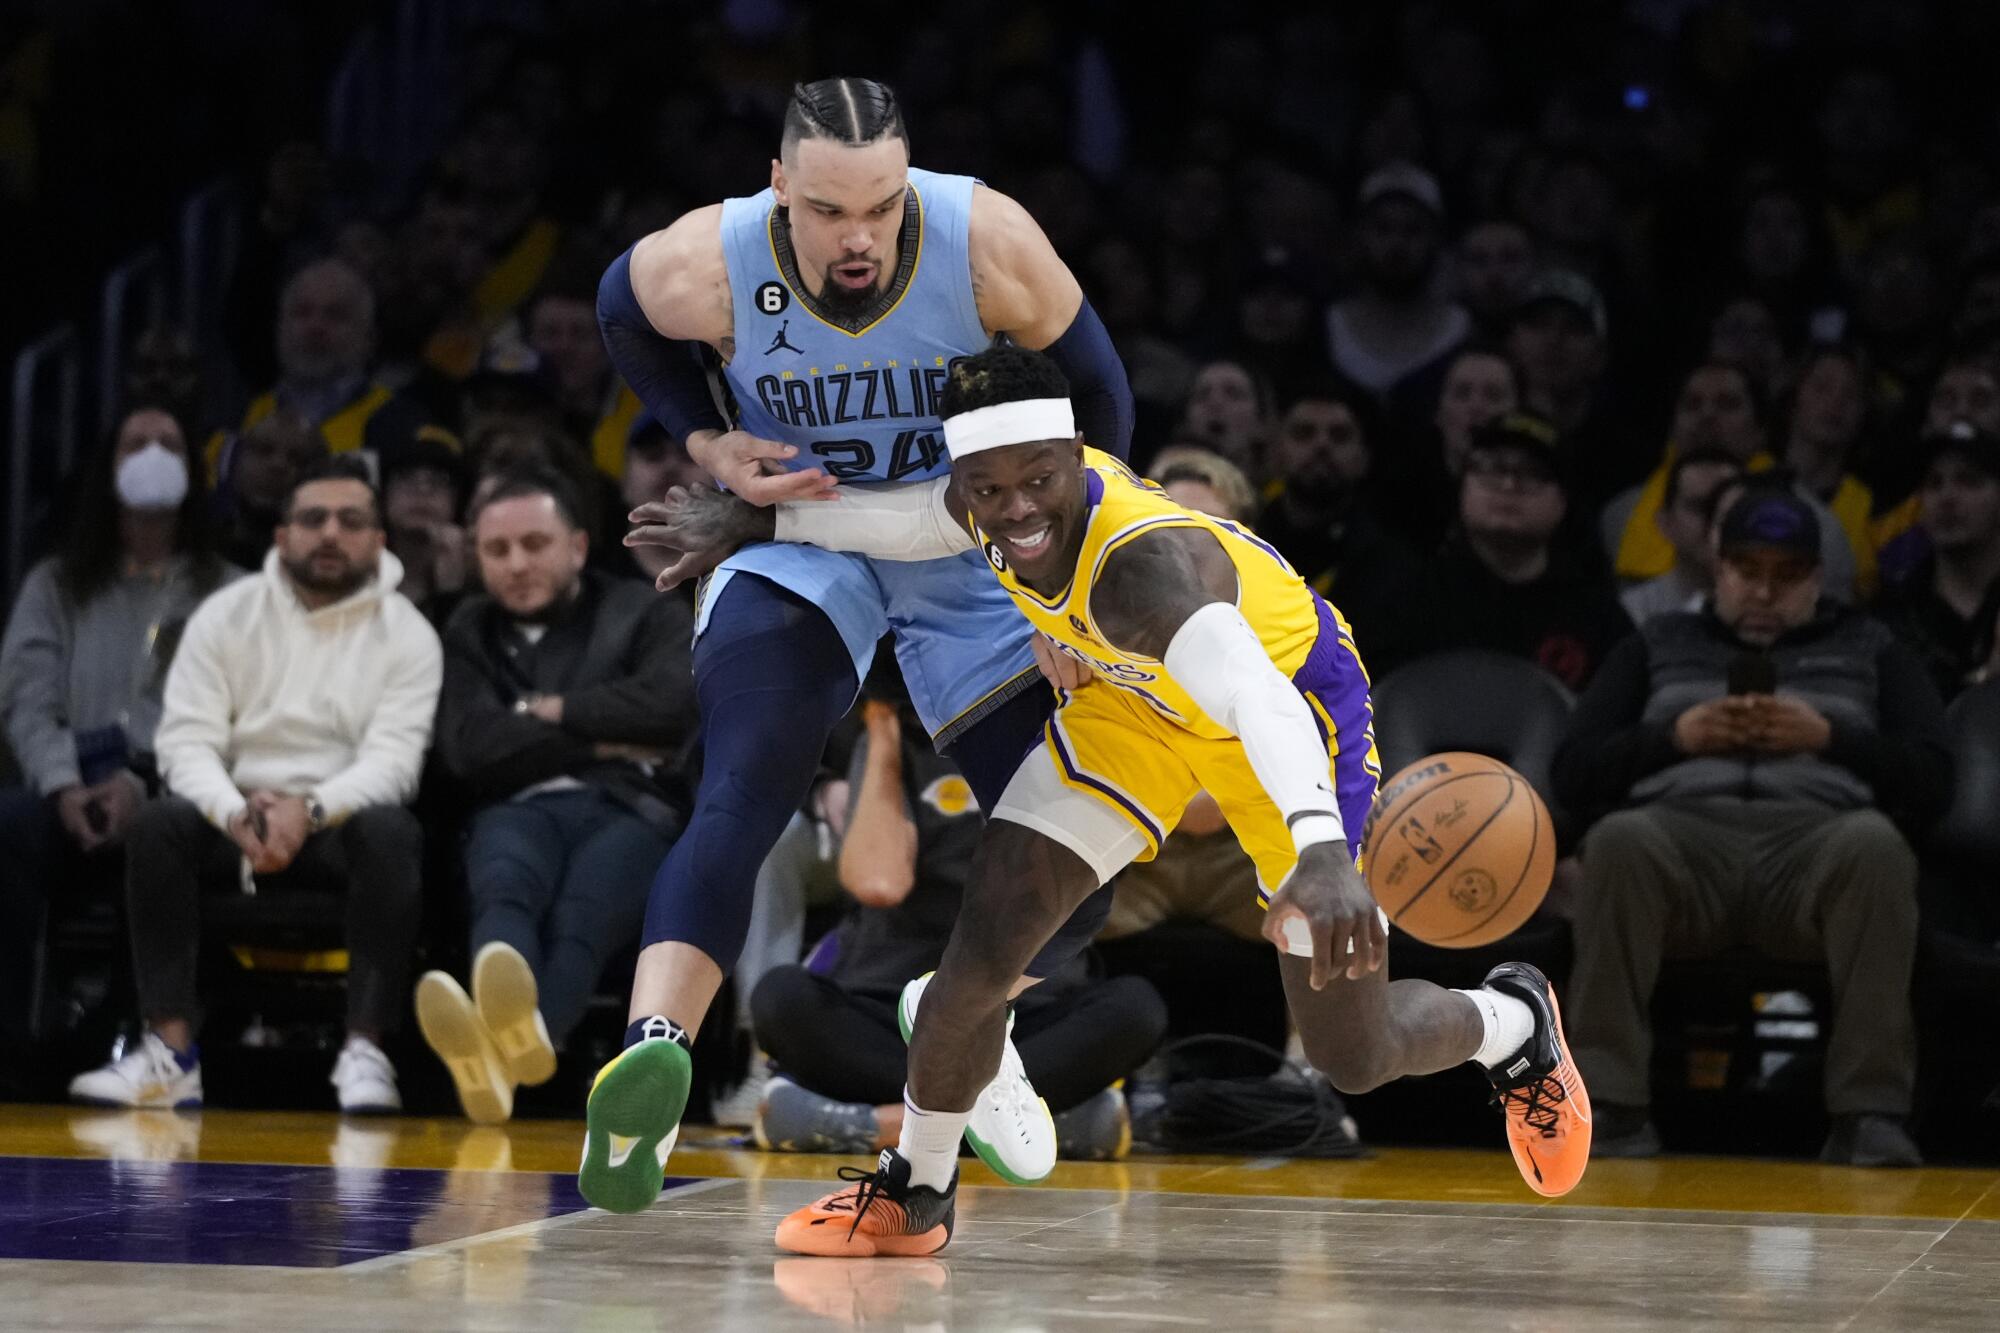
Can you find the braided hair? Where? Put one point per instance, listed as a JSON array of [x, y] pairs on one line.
[[1000, 374], [854, 112]]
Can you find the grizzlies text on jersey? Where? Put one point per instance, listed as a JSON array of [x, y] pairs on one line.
[[857, 394]]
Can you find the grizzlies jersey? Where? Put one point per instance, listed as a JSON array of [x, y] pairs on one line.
[[857, 394], [1133, 741]]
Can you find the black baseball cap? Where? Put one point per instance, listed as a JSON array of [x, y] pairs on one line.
[[1566, 287], [1769, 518], [1525, 435]]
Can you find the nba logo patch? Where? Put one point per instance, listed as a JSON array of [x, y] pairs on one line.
[[1076, 623]]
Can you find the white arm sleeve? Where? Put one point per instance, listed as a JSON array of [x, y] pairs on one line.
[[897, 521], [1217, 658]]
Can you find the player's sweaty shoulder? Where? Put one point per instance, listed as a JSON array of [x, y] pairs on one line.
[[1150, 586], [682, 280], [1021, 284]]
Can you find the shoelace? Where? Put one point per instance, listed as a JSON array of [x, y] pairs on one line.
[[865, 1192], [1539, 1103]]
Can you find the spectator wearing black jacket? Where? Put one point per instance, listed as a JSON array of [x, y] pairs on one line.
[[566, 694], [1762, 750], [1949, 605], [1506, 578]]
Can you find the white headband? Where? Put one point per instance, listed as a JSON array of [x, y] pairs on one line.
[[1021, 422]]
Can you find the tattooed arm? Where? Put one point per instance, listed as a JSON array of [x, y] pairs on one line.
[[1171, 595]]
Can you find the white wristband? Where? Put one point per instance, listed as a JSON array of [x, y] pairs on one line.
[[907, 521], [1309, 830]]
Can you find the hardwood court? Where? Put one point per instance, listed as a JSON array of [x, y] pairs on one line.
[[130, 1220]]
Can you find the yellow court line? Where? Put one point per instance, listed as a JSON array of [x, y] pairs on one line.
[[1413, 1175]]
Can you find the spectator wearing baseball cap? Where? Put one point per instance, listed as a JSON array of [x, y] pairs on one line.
[[1717, 409], [1947, 608], [1398, 322], [1777, 732], [1505, 579], [1559, 337]]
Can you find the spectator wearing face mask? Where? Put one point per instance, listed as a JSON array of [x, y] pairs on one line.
[[86, 652]]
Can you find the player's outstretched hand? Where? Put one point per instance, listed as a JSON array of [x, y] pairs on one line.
[[1330, 900], [756, 468], [703, 525], [1058, 668]]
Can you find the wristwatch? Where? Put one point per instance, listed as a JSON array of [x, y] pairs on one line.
[[315, 814]]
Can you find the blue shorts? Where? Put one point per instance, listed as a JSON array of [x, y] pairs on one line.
[[961, 644]]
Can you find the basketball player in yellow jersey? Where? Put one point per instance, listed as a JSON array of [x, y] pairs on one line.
[[1216, 667]]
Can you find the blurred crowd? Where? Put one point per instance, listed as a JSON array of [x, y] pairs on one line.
[[1484, 315]]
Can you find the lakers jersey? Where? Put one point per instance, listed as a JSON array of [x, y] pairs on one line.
[[1295, 625]]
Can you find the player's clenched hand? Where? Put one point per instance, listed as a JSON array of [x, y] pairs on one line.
[[755, 468], [703, 525], [1058, 668], [1327, 894]]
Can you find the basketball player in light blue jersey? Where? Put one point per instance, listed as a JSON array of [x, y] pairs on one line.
[[834, 303]]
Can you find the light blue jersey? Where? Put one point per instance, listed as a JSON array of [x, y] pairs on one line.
[[858, 395]]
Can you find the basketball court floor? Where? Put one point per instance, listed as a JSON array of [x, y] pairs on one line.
[[291, 1223]]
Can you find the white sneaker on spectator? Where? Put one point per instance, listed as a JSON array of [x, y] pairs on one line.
[[455, 1033], [147, 1075], [741, 1106], [1011, 1128], [503, 987], [365, 1080]]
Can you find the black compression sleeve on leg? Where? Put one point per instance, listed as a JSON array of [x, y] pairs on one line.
[[1097, 384], [667, 375]]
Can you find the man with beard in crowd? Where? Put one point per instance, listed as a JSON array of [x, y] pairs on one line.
[[292, 733], [1396, 325], [1316, 515]]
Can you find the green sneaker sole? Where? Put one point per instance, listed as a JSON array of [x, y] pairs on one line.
[[905, 1021], [638, 1097]]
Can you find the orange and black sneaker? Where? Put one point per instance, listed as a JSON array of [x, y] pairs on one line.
[[1539, 1090], [880, 1213]]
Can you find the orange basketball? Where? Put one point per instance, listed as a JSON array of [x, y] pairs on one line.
[[1459, 850]]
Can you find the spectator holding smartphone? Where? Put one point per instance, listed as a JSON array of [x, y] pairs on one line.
[[85, 654]]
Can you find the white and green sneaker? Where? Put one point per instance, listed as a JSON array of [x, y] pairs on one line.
[[1011, 1128], [633, 1120]]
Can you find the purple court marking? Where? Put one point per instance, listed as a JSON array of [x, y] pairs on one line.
[[237, 1213]]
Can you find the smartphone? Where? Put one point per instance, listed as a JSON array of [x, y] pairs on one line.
[[1753, 673]]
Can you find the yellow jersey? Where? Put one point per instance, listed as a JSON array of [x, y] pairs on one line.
[[1287, 615]]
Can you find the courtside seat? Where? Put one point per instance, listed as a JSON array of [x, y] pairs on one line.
[[1506, 708]]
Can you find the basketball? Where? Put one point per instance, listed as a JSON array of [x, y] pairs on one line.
[[1459, 850]]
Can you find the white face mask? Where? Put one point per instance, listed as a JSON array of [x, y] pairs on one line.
[[154, 478]]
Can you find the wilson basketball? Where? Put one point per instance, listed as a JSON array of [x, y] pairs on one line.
[[1459, 850]]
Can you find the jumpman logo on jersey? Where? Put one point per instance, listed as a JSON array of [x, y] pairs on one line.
[[781, 341]]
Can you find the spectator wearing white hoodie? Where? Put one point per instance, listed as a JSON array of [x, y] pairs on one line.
[[292, 734]]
